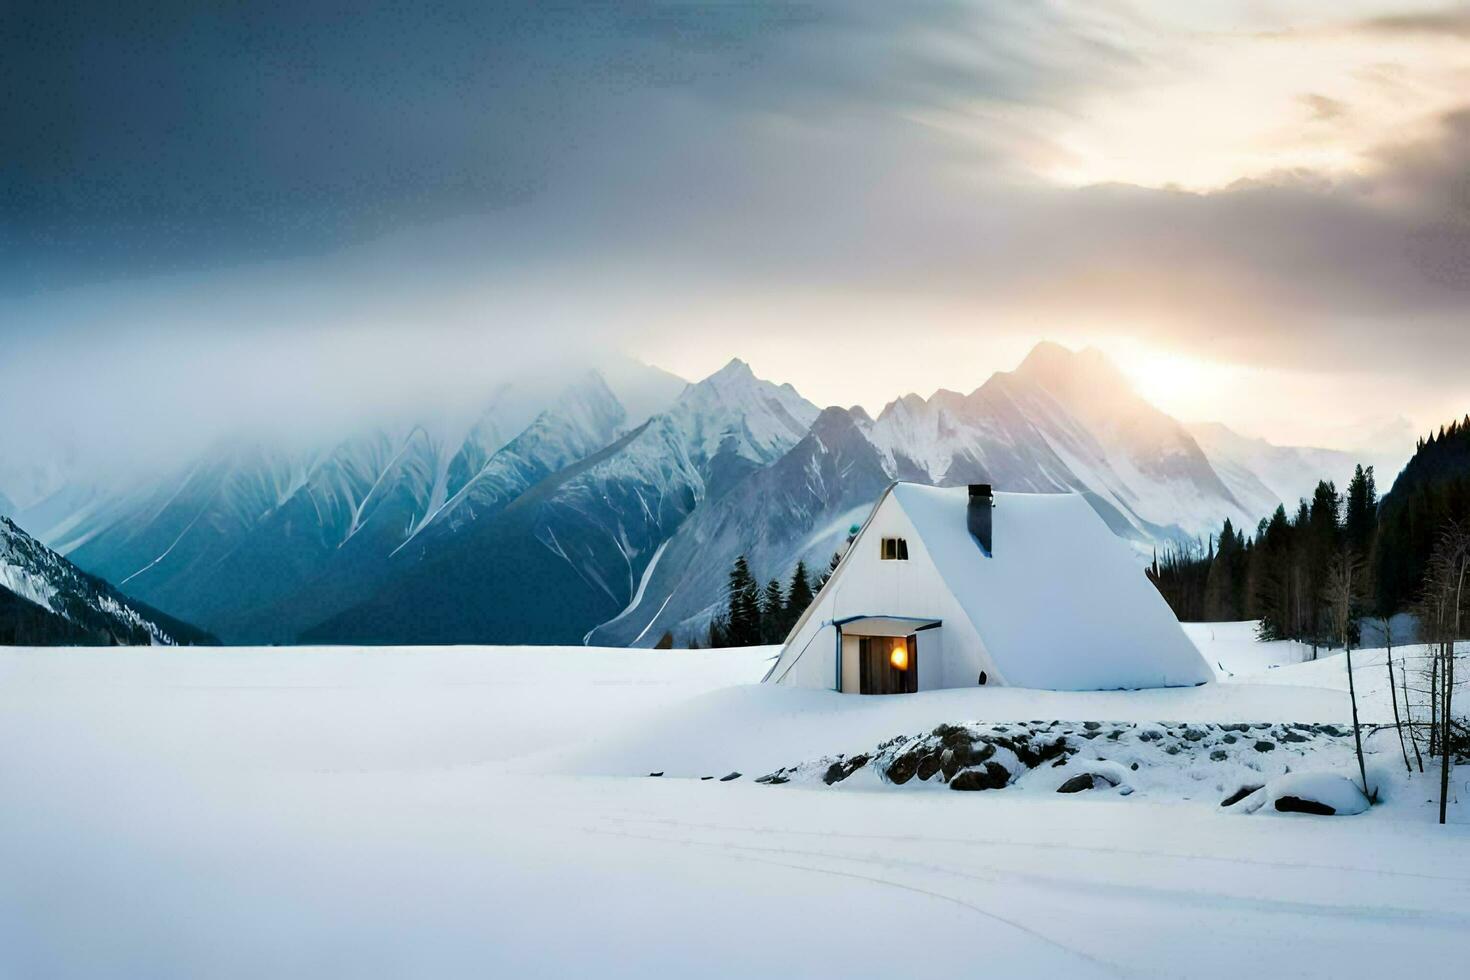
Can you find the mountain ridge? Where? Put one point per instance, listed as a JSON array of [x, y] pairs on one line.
[[586, 534]]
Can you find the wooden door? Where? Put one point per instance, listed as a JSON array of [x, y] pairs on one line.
[[889, 664]]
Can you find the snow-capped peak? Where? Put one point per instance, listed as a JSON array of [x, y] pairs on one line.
[[735, 368], [1066, 373], [762, 417]]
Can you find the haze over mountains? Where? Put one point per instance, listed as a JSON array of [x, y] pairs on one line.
[[609, 505]]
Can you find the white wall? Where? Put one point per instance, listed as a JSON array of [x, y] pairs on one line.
[[949, 656], [852, 668]]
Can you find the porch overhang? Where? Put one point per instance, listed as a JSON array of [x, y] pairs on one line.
[[875, 625]]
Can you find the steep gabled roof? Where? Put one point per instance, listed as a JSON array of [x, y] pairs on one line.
[[1063, 604]]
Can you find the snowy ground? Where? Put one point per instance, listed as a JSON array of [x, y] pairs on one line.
[[486, 812]]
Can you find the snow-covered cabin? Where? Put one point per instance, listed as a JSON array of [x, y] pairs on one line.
[[953, 587]]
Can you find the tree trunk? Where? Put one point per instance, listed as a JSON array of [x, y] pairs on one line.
[[1449, 693], [1357, 734], [1394, 694], [1409, 713], [1434, 698], [1445, 740]]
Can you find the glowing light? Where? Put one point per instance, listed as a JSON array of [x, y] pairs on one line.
[[1185, 387], [900, 655]]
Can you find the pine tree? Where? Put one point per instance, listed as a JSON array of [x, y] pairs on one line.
[[798, 596], [773, 613], [743, 611], [1220, 590], [1322, 543], [719, 632], [1272, 577], [1360, 521], [1433, 488]]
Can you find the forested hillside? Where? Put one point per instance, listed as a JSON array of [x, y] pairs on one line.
[[1433, 490], [1282, 573]]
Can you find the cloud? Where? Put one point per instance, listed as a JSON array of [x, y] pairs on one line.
[[215, 214], [159, 137], [1451, 23], [1323, 108]]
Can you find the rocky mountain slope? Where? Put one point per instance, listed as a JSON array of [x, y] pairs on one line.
[[45, 600], [260, 540], [1262, 475], [1061, 421], [570, 552]]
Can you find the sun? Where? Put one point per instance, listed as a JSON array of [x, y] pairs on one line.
[[1187, 387]]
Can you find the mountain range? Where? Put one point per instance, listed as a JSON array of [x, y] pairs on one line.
[[608, 506]]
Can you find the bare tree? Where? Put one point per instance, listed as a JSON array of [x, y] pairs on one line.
[[1398, 723], [1341, 591], [1409, 712], [1443, 603]]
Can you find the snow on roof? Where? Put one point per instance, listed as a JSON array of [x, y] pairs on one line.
[[1063, 604]]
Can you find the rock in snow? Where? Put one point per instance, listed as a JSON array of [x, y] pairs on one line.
[[1084, 781], [993, 776], [1320, 793], [1240, 794]]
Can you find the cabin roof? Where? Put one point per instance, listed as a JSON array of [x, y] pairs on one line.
[[1062, 603]]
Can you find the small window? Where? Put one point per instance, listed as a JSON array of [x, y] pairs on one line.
[[895, 549]]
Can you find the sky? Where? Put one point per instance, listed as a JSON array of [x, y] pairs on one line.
[[211, 214]]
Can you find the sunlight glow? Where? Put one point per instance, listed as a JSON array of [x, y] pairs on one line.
[[1187, 387], [1232, 107]]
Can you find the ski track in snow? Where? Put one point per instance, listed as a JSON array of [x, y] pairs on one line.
[[889, 882]]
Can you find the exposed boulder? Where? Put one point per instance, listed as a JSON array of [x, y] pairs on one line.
[[899, 771], [1084, 781], [1320, 793], [1295, 804], [842, 768], [1239, 795], [992, 776]]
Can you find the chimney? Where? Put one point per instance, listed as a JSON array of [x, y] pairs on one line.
[[977, 515]]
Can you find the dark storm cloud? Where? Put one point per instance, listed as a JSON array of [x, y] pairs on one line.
[[144, 136]]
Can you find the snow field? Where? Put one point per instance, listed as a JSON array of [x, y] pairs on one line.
[[464, 812]]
